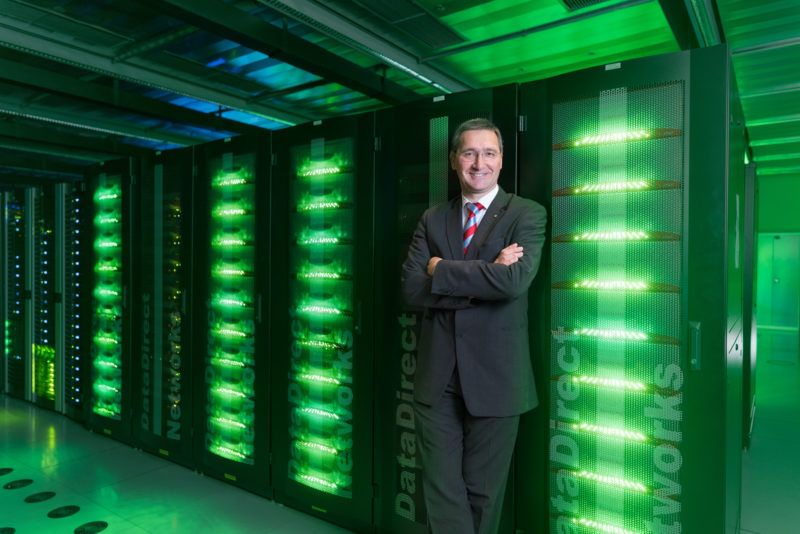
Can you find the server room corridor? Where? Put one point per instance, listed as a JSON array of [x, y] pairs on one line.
[[56, 477]]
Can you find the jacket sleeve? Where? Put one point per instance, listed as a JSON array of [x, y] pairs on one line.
[[415, 280], [485, 280]]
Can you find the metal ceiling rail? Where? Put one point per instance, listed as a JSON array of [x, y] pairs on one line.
[[337, 27], [37, 42], [250, 31]]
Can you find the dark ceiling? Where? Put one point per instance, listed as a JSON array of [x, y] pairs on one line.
[[89, 80]]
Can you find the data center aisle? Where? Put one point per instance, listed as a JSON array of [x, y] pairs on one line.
[[771, 467], [49, 465]]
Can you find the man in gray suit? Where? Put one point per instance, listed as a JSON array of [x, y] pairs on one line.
[[469, 265]]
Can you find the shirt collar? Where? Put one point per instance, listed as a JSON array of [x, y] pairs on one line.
[[485, 200]]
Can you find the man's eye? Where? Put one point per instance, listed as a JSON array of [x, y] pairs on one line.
[[468, 154], [491, 154]]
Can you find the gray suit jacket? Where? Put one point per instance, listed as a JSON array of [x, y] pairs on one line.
[[476, 311]]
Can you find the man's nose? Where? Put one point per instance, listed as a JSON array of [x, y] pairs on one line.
[[477, 161]]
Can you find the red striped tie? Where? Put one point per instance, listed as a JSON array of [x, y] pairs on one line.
[[471, 224]]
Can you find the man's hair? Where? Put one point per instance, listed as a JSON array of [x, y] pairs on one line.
[[475, 124]]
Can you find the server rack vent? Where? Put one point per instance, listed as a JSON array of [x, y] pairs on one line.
[[321, 296], [14, 349], [44, 352], [230, 371], [107, 299], [616, 415], [73, 299]]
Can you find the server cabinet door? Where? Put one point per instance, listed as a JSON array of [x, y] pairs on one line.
[[43, 348], [15, 360], [413, 173], [637, 182], [109, 409], [73, 244], [231, 356], [162, 392], [322, 319]]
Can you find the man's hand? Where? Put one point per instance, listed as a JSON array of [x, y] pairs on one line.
[[511, 254], [432, 264]]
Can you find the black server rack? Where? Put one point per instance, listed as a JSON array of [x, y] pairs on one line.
[[73, 311], [161, 381], [41, 208], [322, 319], [231, 353], [413, 173], [641, 315], [15, 294], [108, 403]]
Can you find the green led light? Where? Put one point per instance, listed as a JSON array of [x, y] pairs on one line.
[[608, 187], [612, 334], [105, 411], [231, 303], [611, 383], [106, 293], [317, 344], [602, 527], [228, 179], [611, 236], [317, 447], [222, 421], [610, 431], [316, 481], [319, 206], [319, 241], [227, 452], [105, 363], [318, 379], [320, 413], [229, 392], [107, 196], [611, 481], [319, 275], [106, 340], [106, 243], [614, 137], [103, 220], [229, 333], [320, 171], [229, 242], [610, 284], [225, 362], [105, 388]]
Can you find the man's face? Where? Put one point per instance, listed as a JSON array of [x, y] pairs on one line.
[[477, 162]]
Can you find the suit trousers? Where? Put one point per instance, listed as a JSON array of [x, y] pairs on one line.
[[465, 463]]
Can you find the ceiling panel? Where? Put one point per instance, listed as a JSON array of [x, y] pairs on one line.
[[124, 76]]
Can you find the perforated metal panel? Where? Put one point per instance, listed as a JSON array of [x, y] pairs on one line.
[[616, 271]]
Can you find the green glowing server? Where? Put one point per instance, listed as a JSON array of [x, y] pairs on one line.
[[639, 323], [232, 366], [161, 381], [322, 402], [14, 276], [108, 403], [413, 173]]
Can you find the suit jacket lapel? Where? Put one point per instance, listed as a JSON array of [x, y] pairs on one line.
[[493, 214], [454, 230]]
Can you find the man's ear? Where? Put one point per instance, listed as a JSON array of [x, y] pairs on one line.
[[453, 160]]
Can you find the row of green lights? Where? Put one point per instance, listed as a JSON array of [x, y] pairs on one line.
[[228, 423], [319, 275], [317, 481], [612, 334], [318, 344], [610, 284], [623, 186], [613, 137], [316, 412], [611, 236], [608, 431], [107, 412], [227, 451], [620, 136], [318, 379], [611, 481], [608, 187], [316, 447], [602, 527], [106, 242], [227, 179], [611, 383]]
